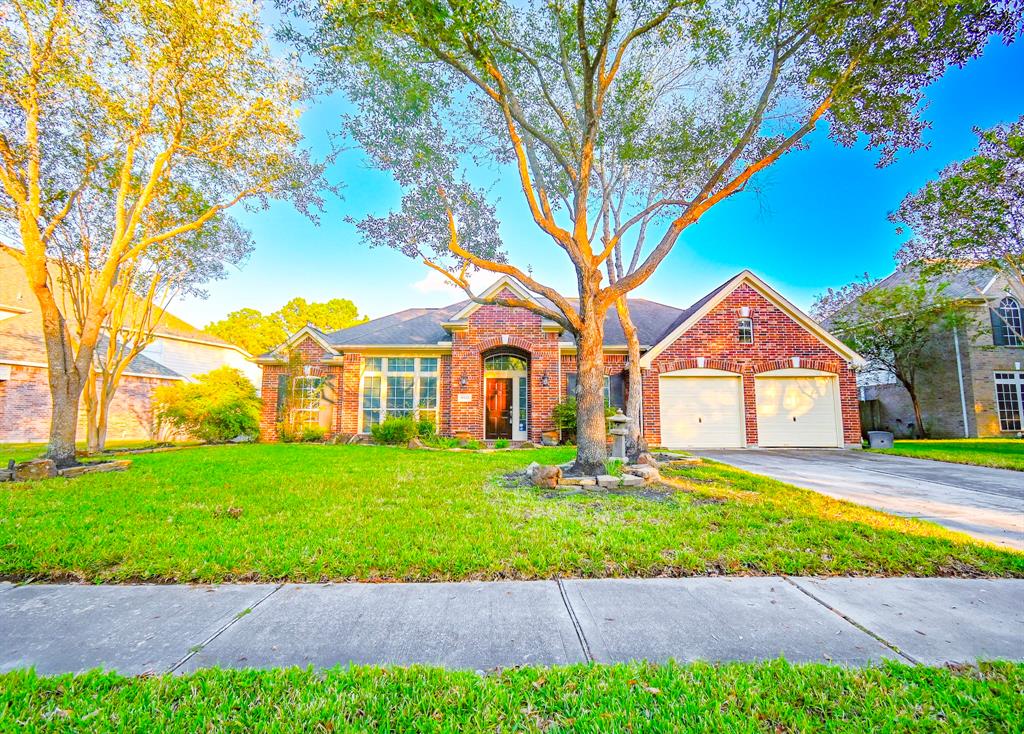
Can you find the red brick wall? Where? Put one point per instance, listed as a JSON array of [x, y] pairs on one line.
[[490, 329], [25, 407], [777, 338], [312, 354]]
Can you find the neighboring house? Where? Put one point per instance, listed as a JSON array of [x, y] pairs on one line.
[[179, 352], [741, 367], [972, 383]]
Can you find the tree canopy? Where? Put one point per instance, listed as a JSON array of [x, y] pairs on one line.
[[973, 212], [258, 333]]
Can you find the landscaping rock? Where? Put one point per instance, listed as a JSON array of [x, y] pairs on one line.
[[608, 480], [415, 443], [647, 458], [631, 480], [543, 476], [527, 445], [685, 461], [585, 481], [6, 476], [35, 469], [646, 472], [76, 471]]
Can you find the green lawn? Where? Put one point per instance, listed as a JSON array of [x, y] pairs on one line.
[[26, 451], [312, 513], [766, 697], [1002, 453]]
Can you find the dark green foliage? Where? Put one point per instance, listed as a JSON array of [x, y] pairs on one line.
[[395, 431], [426, 428], [219, 406], [564, 417]]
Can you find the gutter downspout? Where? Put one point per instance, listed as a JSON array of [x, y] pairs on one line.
[[960, 379]]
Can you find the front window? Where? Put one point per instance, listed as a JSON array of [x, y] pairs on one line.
[[745, 331], [399, 387], [505, 363], [1010, 400], [1007, 324]]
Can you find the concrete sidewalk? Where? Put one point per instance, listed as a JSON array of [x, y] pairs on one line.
[[477, 625]]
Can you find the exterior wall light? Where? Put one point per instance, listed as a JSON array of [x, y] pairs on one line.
[[544, 380], [463, 380]]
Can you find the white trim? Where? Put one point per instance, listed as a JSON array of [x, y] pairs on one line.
[[795, 372], [700, 372], [770, 294], [304, 331], [43, 365], [960, 379], [503, 282]]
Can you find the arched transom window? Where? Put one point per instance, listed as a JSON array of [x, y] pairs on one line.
[[505, 363], [1008, 323]]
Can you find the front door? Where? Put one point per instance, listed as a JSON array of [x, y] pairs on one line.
[[499, 407]]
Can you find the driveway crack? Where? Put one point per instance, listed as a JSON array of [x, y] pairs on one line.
[[575, 621], [195, 650], [852, 621]]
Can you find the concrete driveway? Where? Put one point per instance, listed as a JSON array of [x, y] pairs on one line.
[[986, 503]]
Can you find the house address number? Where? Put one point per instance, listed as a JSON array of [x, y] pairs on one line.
[[465, 397]]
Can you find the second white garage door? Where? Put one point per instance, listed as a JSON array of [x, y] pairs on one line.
[[797, 410], [701, 409]]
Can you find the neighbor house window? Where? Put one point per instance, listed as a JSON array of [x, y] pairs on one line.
[[399, 387], [306, 391], [1007, 323], [745, 331], [1010, 400]]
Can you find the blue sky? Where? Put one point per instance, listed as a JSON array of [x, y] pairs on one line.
[[819, 219]]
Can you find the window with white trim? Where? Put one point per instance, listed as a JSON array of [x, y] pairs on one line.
[[399, 387], [306, 391], [1010, 400], [1008, 324], [745, 330]]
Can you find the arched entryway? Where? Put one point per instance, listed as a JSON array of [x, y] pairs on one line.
[[506, 394]]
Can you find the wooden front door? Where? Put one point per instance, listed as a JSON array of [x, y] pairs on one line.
[[499, 407]]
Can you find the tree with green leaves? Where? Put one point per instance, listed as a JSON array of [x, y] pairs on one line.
[[150, 120], [219, 406], [612, 116], [892, 327], [258, 333]]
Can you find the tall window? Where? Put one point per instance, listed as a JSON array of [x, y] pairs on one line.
[[307, 401], [745, 331], [1007, 323], [399, 387], [1010, 400]]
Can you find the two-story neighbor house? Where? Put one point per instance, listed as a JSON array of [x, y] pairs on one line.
[[741, 367], [179, 352], [972, 381]]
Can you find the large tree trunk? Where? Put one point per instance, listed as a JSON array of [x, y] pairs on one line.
[[591, 423], [917, 412], [65, 379], [635, 443]]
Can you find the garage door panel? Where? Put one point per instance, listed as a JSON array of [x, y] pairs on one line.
[[796, 411], [701, 412]]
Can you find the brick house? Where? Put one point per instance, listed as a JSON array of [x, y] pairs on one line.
[[179, 352], [971, 383], [741, 367]]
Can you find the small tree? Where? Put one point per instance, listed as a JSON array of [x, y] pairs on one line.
[[892, 327], [973, 213], [218, 406]]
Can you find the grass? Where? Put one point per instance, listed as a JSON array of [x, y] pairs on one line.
[[313, 513], [1001, 453], [26, 451], [764, 697]]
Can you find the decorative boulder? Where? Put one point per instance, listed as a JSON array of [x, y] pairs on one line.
[[647, 458], [544, 476], [648, 473], [35, 469], [527, 445], [549, 438], [632, 480], [415, 443], [608, 480]]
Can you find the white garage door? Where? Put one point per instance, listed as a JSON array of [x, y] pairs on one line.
[[701, 411], [797, 411]]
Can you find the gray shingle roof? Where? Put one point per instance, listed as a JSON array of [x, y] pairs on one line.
[[966, 283], [423, 326]]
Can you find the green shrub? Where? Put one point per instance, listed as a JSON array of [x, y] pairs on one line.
[[474, 445], [442, 442], [501, 443], [219, 406], [613, 467], [286, 434], [425, 428], [564, 417], [313, 434], [394, 430]]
